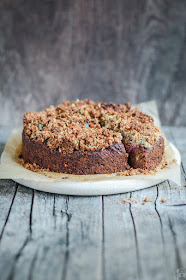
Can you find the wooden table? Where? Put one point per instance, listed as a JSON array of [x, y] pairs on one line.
[[49, 236]]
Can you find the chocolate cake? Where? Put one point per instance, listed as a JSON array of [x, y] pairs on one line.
[[84, 137]]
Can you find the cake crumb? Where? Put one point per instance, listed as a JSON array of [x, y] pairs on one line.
[[152, 172], [136, 201], [147, 199], [163, 200], [143, 203], [124, 200]]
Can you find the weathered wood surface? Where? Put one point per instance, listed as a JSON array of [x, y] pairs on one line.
[[117, 51], [49, 236]]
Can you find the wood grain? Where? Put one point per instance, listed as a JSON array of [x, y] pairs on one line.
[[120, 244], [117, 51], [16, 234]]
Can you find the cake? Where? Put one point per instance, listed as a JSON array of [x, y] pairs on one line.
[[84, 137]]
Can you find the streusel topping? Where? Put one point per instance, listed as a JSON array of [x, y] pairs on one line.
[[86, 125]]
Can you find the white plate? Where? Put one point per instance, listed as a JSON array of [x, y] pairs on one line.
[[102, 184]]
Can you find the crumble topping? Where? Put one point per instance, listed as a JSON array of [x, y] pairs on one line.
[[89, 126]]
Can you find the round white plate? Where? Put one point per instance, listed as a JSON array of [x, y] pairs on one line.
[[105, 184]]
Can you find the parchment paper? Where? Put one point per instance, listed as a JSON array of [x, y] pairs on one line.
[[99, 184]]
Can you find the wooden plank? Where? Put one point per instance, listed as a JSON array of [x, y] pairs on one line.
[[172, 212], [66, 239], [16, 234], [43, 257], [120, 251], [152, 260], [173, 217], [178, 137], [153, 254], [84, 233], [7, 194]]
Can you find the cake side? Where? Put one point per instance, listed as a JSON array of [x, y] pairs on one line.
[[140, 157], [110, 160]]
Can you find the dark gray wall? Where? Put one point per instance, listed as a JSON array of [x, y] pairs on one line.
[[122, 50]]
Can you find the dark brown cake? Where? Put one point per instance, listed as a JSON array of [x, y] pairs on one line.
[[109, 160], [84, 137]]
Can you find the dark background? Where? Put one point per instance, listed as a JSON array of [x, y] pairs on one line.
[[122, 50]]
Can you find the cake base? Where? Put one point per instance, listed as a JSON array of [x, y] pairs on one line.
[[110, 160]]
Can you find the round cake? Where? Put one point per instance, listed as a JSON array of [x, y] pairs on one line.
[[84, 137]]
